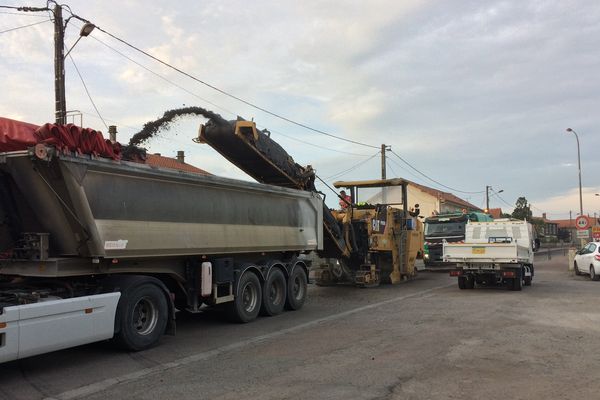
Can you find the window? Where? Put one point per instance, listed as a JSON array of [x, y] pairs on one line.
[[516, 232], [496, 232]]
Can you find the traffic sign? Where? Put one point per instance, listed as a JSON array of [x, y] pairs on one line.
[[596, 232], [583, 234], [582, 222]]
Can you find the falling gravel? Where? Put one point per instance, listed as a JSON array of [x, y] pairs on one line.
[[163, 123]]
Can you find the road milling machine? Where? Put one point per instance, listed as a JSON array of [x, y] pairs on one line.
[[364, 244]]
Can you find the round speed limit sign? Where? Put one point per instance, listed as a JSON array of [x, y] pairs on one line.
[[582, 222]]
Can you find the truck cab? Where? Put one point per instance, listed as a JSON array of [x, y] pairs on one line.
[[446, 227]]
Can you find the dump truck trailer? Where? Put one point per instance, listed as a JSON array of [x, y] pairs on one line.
[[94, 248]]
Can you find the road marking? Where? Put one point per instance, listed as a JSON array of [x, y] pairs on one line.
[[100, 386]]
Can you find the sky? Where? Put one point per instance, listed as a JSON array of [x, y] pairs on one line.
[[469, 93]]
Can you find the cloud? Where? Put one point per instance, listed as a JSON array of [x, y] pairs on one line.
[[561, 204], [471, 93]]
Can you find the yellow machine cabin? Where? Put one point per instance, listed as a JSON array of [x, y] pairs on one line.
[[382, 240]]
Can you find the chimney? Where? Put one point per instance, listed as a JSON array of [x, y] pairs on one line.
[[544, 215], [181, 156], [112, 133], [157, 154]]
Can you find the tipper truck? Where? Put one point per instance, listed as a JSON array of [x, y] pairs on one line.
[[494, 253], [94, 247]]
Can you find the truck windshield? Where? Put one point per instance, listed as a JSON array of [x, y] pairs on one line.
[[444, 228]]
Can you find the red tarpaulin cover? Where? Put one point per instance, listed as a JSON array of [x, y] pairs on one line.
[[16, 135]]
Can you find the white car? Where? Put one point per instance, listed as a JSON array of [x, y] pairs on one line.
[[587, 261]]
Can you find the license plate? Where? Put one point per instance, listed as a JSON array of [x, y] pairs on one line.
[[478, 250]]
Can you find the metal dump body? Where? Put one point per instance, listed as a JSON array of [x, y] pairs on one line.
[[94, 207]]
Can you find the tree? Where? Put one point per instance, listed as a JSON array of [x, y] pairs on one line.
[[522, 209]]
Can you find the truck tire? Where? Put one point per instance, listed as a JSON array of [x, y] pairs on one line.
[[593, 275], [143, 317], [470, 282], [517, 283], [577, 271], [274, 293], [462, 282], [248, 297], [296, 289]]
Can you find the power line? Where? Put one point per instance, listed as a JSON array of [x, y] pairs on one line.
[[355, 166], [502, 199], [316, 145], [417, 178], [163, 77], [325, 183], [390, 167], [24, 26], [22, 14], [88, 92], [113, 121], [248, 103], [211, 103], [431, 179]]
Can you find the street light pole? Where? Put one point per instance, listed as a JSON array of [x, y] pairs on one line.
[[579, 168], [60, 96]]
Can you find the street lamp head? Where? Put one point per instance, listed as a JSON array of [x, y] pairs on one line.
[[86, 29], [569, 130], [500, 191]]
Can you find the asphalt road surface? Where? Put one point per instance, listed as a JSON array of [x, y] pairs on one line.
[[424, 339]]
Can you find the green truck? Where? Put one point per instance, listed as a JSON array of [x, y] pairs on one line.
[[449, 227]]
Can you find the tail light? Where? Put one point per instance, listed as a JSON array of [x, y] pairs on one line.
[[597, 257], [508, 274], [456, 272]]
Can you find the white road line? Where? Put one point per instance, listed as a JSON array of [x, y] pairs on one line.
[[100, 386]]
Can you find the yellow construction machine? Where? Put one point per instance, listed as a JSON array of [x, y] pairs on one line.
[[382, 241]]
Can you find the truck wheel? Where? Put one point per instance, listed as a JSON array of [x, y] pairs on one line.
[[577, 271], [517, 283], [462, 282], [528, 279], [593, 275], [248, 297], [274, 293], [296, 289], [143, 317], [470, 282]]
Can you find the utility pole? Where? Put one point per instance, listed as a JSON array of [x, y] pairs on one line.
[[59, 67], [383, 174], [383, 148], [487, 198]]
